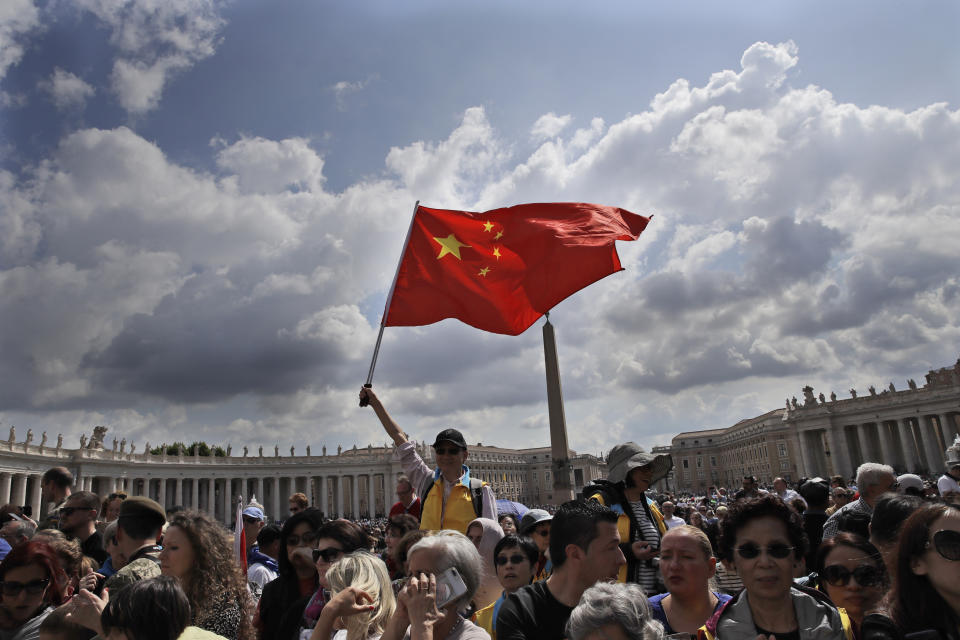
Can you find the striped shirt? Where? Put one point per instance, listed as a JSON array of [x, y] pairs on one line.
[[646, 574]]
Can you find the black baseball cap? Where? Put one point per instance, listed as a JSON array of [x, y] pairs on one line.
[[451, 435]]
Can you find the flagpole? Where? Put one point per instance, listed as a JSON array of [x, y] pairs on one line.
[[386, 307], [559, 449]]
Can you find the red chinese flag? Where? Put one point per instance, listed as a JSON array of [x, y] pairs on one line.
[[501, 270]]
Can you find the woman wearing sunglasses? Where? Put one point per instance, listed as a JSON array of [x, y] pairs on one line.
[[515, 560], [850, 570], [925, 599], [31, 586], [763, 540], [334, 539]]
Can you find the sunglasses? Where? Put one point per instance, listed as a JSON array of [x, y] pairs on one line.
[[329, 554], [866, 575], [947, 544], [307, 538], [445, 451], [69, 511], [514, 559], [249, 520], [34, 587], [750, 551]]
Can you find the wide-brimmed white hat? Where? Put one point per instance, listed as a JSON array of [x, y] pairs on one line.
[[626, 457]]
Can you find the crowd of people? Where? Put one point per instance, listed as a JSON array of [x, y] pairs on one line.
[[874, 558]]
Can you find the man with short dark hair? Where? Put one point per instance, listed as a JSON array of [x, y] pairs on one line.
[[584, 549], [55, 487], [408, 502], [262, 566], [78, 519], [749, 489], [139, 526]]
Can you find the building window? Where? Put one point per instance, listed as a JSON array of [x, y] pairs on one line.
[[699, 462], [782, 449], [700, 473], [784, 465], [686, 463], [713, 461]]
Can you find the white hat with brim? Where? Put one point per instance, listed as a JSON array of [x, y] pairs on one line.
[[624, 458]]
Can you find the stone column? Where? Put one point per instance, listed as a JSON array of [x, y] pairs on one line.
[[5, 487], [20, 489], [866, 443], [339, 496], [355, 496], [195, 493], [886, 444], [212, 497], [839, 454], [163, 492], [931, 444], [35, 500], [178, 492], [323, 487], [276, 498], [373, 498], [228, 509], [793, 440], [911, 457], [259, 491]]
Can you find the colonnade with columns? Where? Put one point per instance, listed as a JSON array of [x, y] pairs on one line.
[[21, 488], [355, 495], [909, 443]]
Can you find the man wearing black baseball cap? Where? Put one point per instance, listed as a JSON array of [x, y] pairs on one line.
[[451, 499]]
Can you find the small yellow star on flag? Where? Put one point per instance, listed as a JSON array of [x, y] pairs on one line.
[[496, 252], [484, 272], [487, 226], [450, 245], [498, 236]]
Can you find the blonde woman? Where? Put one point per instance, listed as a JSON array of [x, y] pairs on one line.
[[362, 600]]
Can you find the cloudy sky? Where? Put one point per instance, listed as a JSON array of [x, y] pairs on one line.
[[202, 205]]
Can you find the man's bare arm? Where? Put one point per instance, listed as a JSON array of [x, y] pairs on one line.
[[392, 428]]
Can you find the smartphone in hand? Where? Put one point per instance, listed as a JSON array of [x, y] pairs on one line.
[[450, 586]]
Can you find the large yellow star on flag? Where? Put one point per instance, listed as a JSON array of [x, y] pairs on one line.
[[488, 226], [450, 245]]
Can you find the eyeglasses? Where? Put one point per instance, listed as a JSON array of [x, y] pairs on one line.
[[114, 496], [866, 575], [33, 587], [947, 544], [446, 451], [307, 538], [329, 554], [514, 559], [249, 520], [69, 511], [750, 551]]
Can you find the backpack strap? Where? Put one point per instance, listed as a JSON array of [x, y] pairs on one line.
[[476, 495]]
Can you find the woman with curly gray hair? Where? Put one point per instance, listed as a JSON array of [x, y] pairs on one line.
[[198, 552], [613, 611]]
